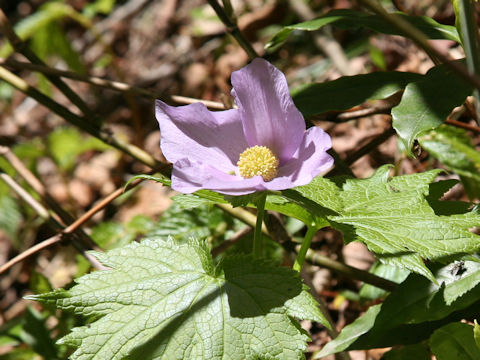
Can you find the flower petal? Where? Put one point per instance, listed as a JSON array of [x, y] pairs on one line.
[[268, 113], [189, 176], [194, 132], [308, 162]]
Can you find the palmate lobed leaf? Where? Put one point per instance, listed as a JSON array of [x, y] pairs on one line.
[[395, 220], [165, 300]]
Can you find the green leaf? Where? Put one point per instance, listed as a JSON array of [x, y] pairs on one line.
[[416, 300], [350, 19], [274, 202], [437, 190], [385, 271], [460, 277], [417, 352], [190, 201], [183, 224], [476, 333], [396, 222], [66, 144], [297, 211], [51, 40], [165, 300], [10, 216], [30, 25], [321, 196], [100, 6], [408, 315], [244, 200], [39, 283], [454, 341], [426, 103], [111, 234], [391, 216], [162, 180], [351, 332], [36, 334], [349, 91], [454, 148]]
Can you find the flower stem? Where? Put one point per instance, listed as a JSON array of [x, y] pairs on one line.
[[258, 236], [311, 231], [467, 27]]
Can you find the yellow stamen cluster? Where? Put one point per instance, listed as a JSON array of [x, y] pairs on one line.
[[258, 160]]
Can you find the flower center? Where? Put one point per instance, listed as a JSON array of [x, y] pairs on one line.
[[258, 160]]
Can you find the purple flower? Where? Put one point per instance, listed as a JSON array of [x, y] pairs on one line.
[[262, 145]]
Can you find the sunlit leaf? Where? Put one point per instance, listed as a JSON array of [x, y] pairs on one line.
[[164, 300], [394, 219]]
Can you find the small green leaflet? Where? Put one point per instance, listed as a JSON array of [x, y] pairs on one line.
[[394, 219], [426, 103], [348, 91], [351, 332], [350, 19], [455, 149], [165, 300], [454, 341], [476, 333], [408, 352]]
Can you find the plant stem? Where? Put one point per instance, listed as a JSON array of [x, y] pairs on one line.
[[350, 271], [71, 229], [311, 256], [311, 231], [108, 84], [371, 145], [258, 236], [21, 47], [50, 220], [233, 29], [466, 24], [422, 40]]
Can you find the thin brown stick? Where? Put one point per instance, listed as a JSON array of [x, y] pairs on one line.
[[63, 217], [69, 229], [29, 199], [31, 251], [463, 125], [364, 150], [45, 214]]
